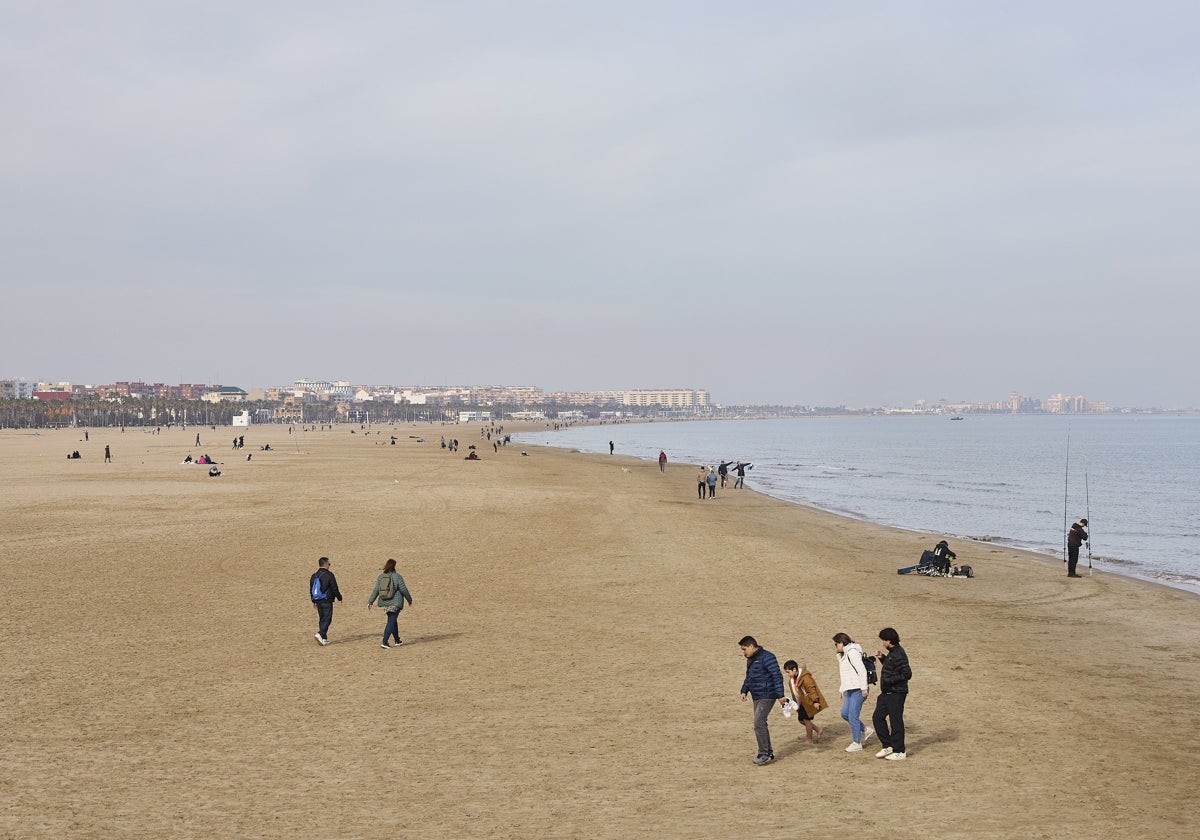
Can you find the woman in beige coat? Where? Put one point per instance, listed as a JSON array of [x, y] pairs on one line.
[[802, 688]]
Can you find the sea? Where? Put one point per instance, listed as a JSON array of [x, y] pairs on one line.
[[1015, 480]]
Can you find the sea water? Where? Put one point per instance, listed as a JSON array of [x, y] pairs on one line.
[[1018, 480]]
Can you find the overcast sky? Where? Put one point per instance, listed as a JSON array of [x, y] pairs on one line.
[[798, 203]]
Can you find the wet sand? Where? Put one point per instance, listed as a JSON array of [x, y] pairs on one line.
[[570, 666]]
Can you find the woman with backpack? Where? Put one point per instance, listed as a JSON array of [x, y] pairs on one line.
[[391, 593], [853, 688]]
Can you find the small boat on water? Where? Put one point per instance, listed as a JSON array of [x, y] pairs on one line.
[[956, 417]]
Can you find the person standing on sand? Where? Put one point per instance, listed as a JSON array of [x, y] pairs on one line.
[[765, 684], [853, 688], [197, 439], [662, 461], [740, 469], [323, 589], [611, 447], [701, 482], [894, 675], [803, 690], [108, 458], [711, 481], [1076, 537], [392, 593], [723, 471]]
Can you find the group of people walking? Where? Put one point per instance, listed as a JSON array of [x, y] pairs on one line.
[[798, 692], [711, 475], [389, 594]]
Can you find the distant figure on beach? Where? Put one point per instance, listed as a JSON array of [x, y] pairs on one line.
[[610, 447], [803, 690], [894, 674], [942, 555], [197, 438], [85, 436], [213, 471], [711, 481], [323, 589], [108, 457], [723, 471], [662, 461], [701, 482], [73, 455], [392, 593], [765, 684], [1076, 537], [853, 688], [740, 469]]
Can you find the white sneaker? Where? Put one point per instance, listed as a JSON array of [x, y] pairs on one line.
[[320, 641], [897, 757], [867, 733], [855, 747], [884, 753]]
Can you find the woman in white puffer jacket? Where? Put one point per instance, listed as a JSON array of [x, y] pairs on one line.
[[853, 688]]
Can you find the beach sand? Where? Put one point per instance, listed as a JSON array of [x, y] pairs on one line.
[[570, 666]]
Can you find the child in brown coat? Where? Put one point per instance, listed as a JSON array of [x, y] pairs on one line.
[[802, 688]]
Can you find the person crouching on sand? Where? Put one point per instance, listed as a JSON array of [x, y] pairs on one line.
[[803, 690]]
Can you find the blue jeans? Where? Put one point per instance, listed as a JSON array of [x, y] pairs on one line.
[[852, 703], [390, 629]]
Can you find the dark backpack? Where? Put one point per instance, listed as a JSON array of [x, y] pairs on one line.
[[318, 589], [869, 665]]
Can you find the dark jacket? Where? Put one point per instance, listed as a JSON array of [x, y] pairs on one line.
[[763, 677], [328, 584], [895, 673], [1076, 536]]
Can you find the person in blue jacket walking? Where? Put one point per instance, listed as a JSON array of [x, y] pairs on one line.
[[764, 683]]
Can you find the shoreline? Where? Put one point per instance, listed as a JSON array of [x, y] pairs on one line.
[[1112, 566], [578, 617]]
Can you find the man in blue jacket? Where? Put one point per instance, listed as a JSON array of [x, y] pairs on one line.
[[764, 682]]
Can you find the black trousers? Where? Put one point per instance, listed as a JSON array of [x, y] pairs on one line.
[[324, 617], [1072, 558], [890, 708]]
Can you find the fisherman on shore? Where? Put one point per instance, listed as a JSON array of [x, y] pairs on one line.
[[1076, 537]]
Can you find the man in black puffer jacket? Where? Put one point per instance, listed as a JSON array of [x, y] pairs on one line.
[[893, 691]]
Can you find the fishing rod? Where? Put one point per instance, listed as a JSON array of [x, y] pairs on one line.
[[1088, 499], [1066, 475]]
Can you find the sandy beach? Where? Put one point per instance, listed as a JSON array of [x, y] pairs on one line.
[[570, 666]]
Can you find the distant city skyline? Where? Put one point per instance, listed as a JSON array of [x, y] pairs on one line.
[[867, 203], [699, 397]]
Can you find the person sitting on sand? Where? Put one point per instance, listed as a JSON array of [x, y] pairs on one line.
[[213, 472], [942, 555], [473, 456], [188, 459]]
